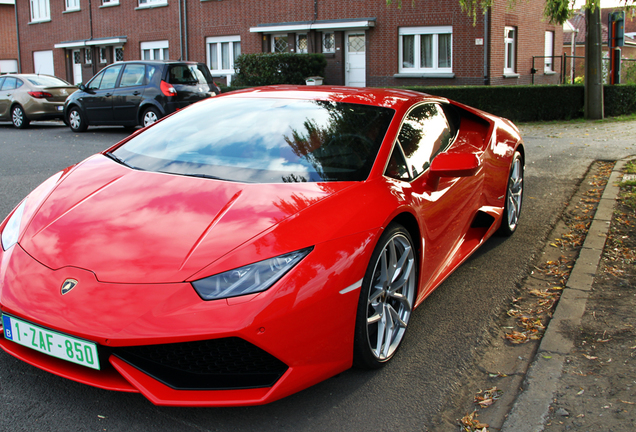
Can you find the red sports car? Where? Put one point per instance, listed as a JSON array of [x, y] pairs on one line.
[[254, 244]]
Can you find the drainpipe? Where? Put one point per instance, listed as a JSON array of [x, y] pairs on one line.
[[17, 32], [185, 26], [180, 34], [487, 47]]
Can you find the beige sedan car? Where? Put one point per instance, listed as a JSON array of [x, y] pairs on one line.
[[27, 97]]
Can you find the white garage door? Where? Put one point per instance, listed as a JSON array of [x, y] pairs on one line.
[[43, 62], [8, 66]]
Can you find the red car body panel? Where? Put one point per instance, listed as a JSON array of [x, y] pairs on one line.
[[135, 240]]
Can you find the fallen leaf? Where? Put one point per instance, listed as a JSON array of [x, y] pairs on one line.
[[590, 357]]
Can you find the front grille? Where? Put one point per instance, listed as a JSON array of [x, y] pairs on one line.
[[217, 364]]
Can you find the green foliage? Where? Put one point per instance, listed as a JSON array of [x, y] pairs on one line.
[[518, 103], [619, 99], [277, 68]]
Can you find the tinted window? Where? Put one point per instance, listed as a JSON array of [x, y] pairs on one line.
[[47, 81], [18, 83], [425, 133], [9, 83], [150, 72], [189, 74], [264, 141], [397, 167], [133, 75], [110, 77]]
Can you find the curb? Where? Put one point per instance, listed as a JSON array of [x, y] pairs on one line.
[[530, 410]]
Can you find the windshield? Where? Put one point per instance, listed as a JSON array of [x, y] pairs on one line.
[[263, 141]]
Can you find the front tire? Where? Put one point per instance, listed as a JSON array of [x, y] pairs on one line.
[[76, 120], [18, 118], [514, 197], [386, 299]]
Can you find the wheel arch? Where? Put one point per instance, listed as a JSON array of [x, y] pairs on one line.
[[149, 104], [409, 222]]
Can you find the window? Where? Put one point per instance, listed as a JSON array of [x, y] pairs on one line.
[[102, 55], [426, 49], [328, 43], [106, 79], [72, 5], [549, 52], [119, 54], [222, 53], [301, 43], [510, 41], [279, 43], [133, 75], [40, 10], [154, 50], [424, 134], [110, 2], [88, 55], [151, 2]]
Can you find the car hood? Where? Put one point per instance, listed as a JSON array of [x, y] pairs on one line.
[[133, 226]]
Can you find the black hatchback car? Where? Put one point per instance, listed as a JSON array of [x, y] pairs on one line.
[[140, 92]]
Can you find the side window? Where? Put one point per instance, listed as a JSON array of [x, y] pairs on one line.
[[9, 84], [1, 82], [95, 82], [18, 83], [133, 75], [110, 78], [397, 167], [150, 72], [424, 134]]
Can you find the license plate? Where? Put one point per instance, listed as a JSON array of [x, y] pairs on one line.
[[51, 342]]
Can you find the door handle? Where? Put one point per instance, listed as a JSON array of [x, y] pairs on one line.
[[108, 95], [136, 93]]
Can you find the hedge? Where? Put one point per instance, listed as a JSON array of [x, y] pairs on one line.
[[283, 68]]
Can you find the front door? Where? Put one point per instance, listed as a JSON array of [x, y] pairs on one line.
[[355, 62], [77, 67]]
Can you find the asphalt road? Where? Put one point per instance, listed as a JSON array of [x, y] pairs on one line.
[[406, 395]]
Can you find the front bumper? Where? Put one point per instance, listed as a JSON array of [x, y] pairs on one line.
[[297, 333]]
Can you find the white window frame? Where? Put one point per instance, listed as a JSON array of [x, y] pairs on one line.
[[40, 10], [549, 52], [418, 32], [110, 2], [298, 50], [149, 3], [102, 54], [161, 45], [72, 5], [115, 48], [274, 36], [233, 42], [323, 37], [510, 55], [88, 55]]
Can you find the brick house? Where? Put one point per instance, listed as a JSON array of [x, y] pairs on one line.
[[8, 36], [366, 42]]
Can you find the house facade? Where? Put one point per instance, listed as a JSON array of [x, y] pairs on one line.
[[9, 38], [366, 42]]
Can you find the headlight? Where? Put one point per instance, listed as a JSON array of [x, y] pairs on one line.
[[11, 231], [250, 279]]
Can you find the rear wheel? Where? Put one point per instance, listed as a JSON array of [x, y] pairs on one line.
[[18, 118], [76, 120], [514, 197], [386, 299], [150, 116]]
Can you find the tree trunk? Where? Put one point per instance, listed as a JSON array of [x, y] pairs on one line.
[[593, 65]]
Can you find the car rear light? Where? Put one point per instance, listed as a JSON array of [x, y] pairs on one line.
[[168, 89], [40, 94]]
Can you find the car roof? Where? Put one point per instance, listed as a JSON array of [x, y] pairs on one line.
[[389, 98], [157, 62]]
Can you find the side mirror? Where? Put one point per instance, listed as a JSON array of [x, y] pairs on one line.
[[452, 165], [82, 87], [455, 165]]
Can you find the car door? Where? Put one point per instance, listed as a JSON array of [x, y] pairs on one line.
[[4, 102], [443, 205], [98, 100], [129, 94]]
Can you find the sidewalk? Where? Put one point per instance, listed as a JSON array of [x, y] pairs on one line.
[[583, 376]]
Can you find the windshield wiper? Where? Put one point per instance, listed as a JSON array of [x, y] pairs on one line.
[[118, 159]]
